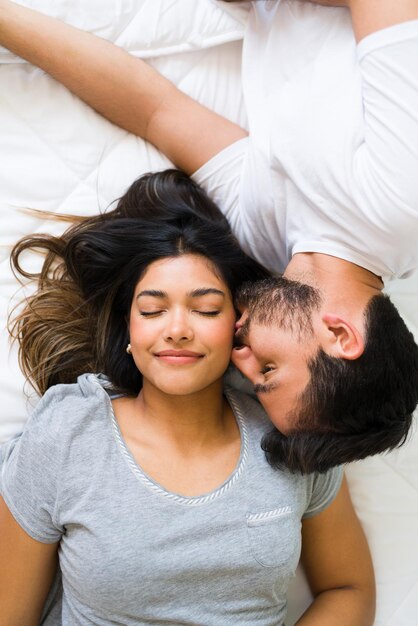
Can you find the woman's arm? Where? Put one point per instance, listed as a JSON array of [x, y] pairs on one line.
[[122, 88], [27, 570], [338, 566]]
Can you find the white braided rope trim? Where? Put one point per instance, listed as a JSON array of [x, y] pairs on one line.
[[192, 501], [258, 518]]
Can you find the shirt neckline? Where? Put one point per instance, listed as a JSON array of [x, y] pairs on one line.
[[158, 489]]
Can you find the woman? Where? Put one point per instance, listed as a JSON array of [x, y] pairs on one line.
[[149, 485], [324, 188]]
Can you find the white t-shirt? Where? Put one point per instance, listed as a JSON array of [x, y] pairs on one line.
[[331, 164]]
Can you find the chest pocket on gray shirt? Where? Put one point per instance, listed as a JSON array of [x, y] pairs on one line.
[[274, 538]]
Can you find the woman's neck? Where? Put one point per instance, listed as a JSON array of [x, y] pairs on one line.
[[193, 421], [188, 444]]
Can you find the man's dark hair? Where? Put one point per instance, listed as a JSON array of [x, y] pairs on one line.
[[352, 409], [279, 302]]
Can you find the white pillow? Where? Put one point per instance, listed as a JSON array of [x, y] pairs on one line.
[[146, 28]]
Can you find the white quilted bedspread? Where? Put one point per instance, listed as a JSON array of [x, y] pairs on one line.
[[56, 154]]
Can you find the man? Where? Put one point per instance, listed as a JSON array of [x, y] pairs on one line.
[[323, 188]]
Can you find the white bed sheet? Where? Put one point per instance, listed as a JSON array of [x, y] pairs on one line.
[[58, 155]]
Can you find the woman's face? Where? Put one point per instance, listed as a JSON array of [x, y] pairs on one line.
[[181, 325]]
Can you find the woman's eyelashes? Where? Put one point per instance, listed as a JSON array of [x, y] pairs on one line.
[[150, 313], [159, 312], [208, 313]]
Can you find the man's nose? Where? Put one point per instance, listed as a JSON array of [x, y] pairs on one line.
[[243, 358]]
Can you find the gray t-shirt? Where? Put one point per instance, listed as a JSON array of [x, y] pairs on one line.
[[133, 553]]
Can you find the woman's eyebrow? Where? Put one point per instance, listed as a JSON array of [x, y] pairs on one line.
[[196, 293], [155, 293], [205, 291]]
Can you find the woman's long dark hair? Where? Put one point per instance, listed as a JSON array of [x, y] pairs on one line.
[[77, 320]]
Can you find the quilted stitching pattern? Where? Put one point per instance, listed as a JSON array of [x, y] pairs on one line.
[[145, 27]]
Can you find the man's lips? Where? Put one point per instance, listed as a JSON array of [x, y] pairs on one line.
[[178, 357]]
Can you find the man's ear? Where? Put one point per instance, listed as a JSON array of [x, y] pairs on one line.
[[342, 339]]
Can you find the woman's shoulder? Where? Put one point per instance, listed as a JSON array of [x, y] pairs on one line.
[[47, 458], [86, 387], [64, 406]]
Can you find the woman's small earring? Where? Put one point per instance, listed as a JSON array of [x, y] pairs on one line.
[[128, 349]]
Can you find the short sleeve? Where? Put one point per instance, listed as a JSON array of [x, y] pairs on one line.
[[221, 178], [30, 472], [392, 35], [6, 450], [324, 489]]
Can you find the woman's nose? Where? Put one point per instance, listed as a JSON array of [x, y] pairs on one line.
[[178, 327]]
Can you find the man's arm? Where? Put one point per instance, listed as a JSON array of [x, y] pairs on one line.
[[338, 566], [370, 16], [124, 89]]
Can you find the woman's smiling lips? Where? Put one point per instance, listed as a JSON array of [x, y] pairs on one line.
[[178, 357]]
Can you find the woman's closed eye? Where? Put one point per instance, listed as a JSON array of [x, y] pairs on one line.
[[207, 313], [150, 313], [159, 311]]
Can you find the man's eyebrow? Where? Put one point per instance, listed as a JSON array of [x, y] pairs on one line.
[[265, 388], [196, 293]]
